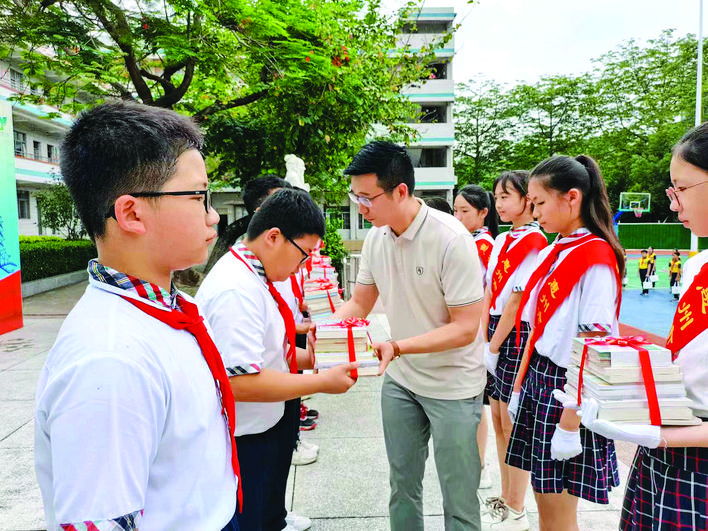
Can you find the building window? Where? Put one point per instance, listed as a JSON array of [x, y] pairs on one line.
[[23, 204], [428, 157], [433, 114], [52, 155], [16, 80], [37, 147], [341, 213], [20, 144], [426, 27], [438, 71]]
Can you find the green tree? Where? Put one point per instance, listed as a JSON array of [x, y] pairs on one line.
[[58, 212]]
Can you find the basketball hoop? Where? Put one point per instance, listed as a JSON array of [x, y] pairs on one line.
[[638, 212]]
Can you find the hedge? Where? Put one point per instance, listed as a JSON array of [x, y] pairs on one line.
[[46, 256]]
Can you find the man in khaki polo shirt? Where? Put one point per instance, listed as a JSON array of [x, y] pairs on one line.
[[424, 266]]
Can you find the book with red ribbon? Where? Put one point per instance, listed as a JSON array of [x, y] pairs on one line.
[[345, 341], [322, 298], [632, 380]]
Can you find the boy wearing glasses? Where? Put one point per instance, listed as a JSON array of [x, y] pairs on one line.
[[424, 266], [254, 329], [134, 412]]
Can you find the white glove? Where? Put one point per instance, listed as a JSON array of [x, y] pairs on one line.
[[565, 444], [490, 360], [513, 407], [567, 401], [643, 435]]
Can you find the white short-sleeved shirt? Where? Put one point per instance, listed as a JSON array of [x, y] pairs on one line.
[[520, 277], [420, 274], [128, 419], [249, 332], [693, 358], [590, 307]]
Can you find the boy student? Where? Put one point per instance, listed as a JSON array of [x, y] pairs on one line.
[[255, 332], [134, 413], [644, 263], [424, 266]]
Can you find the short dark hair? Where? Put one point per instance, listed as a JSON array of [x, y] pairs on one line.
[[390, 162], [121, 148], [292, 211], [439, 203], [257, 190], [643, 251]]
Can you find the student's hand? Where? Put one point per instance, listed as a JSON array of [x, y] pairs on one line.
[[385, 353], [311, 341], [513, 407], [565, 444], [565, 399], [647, 436], [302, 328], [338, 379], [490, 360]]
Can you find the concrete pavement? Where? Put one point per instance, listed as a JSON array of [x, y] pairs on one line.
[[346, 489]]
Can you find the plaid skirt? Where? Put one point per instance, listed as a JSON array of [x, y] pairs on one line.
[[499, 387], [667, 489], [590, 475]]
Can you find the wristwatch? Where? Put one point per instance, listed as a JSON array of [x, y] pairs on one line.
[[396, 349]]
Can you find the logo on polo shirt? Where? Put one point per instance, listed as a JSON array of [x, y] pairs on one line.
[[419, 270]]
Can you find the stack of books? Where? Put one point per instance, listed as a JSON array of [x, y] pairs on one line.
[[332, 346], [613, 376], [322, 299]]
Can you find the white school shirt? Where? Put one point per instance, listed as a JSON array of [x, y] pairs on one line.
[[285, 288], [693, 358], [482, 234], [590, 307], [431, 267], [128, 419], [521, 275], [248, 331]]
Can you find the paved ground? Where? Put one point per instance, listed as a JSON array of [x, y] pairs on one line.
[[346, 489]]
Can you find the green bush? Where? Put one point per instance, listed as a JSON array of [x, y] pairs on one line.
[[46, 256], [333, 245]]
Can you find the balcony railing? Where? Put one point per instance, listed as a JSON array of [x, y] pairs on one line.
[[21, 153]]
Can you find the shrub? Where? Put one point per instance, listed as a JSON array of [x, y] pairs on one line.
[[333, 245], [46, 256]]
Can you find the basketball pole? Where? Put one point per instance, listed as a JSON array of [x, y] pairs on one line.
[[699, 96]]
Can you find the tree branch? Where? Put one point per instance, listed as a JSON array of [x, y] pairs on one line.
[[173, 96], [238, 102]]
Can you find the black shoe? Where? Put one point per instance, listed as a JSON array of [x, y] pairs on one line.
[[307, 424]]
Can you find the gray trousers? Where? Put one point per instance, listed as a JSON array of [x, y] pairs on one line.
[[408, 421]]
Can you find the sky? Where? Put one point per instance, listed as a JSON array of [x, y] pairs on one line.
[[522, 40]]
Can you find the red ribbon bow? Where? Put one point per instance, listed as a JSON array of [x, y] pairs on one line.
[[350, 322], [635, 342]]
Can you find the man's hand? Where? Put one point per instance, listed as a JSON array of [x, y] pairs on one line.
[[385, 353], [338, 379]]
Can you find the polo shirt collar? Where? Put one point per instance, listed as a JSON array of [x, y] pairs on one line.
[[417, 222], [252, 260]]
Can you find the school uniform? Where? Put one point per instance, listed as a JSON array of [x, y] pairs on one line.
[[590, 305], [129, 427], [644, 273], [675, 271], [667, 488], [485, 245], [250, 332], [518, 249], [652, 267]]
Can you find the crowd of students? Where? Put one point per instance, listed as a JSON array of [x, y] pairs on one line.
[[159, 411]]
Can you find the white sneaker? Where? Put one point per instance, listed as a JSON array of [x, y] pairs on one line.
[[485, 481], [503, 518], [297, 522], [303, 456], [309, 446]]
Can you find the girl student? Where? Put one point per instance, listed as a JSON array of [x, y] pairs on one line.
[[474, 207], [667, 487], [675, 271], [575, 290], [510, 266]]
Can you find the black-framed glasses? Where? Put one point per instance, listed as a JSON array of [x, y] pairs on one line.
[[673, 192], [361, 200], [206, 193], [306, 255]]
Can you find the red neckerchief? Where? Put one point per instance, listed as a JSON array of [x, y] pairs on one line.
[[559, 285], [691, 317], [189, 319], [510, 260], [297, 291], [285, 312], [485, 244]]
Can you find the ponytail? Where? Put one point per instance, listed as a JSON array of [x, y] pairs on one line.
[[582, 172], [480, 199]]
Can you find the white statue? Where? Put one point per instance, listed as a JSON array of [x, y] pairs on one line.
[[295, 172]]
